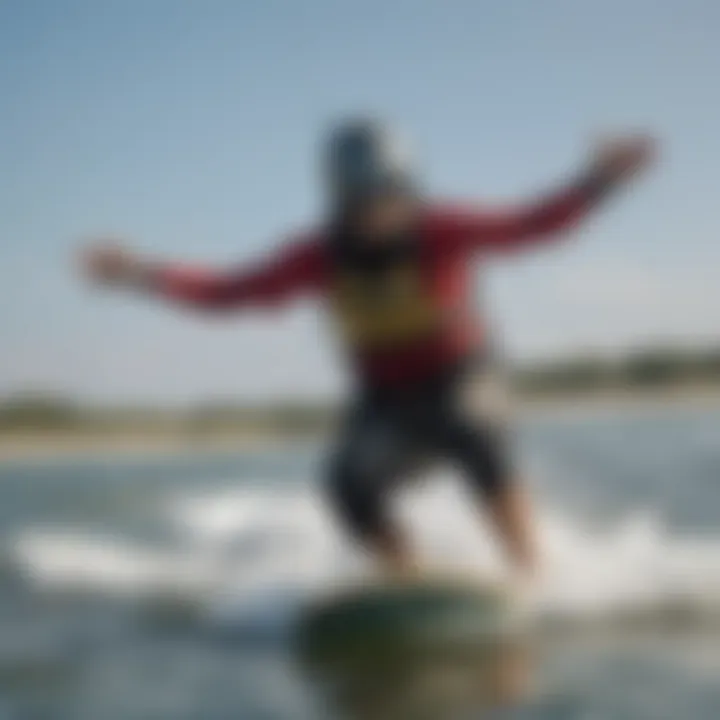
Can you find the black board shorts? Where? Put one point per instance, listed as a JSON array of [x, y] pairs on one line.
[[387, 438]]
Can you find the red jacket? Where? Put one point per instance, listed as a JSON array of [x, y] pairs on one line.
[[419, 319]]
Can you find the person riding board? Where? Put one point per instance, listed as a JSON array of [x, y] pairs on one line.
[[394, 270]]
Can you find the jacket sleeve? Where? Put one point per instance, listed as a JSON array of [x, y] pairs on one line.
[[293, 271], [519, 227]]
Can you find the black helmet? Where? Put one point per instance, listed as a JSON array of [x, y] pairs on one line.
[[364, 158]]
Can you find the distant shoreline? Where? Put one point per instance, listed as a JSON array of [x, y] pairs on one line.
[[60, 445], [696, 396], [49, 445]]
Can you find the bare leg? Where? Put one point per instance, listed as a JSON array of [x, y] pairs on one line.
[[391, 548], [512, 515]]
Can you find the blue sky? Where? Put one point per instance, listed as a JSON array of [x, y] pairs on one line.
[[190, 128]]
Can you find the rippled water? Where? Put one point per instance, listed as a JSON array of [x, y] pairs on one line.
[[169, 587]]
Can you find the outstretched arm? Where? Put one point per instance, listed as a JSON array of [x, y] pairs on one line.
[[291, 272], [295, 270], [613, 165]]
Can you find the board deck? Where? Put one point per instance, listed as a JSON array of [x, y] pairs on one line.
[[377, 618]]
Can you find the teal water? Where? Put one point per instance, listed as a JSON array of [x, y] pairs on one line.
[[168, 587]]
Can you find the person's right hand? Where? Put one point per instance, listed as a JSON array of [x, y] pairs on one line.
[[108, 262]]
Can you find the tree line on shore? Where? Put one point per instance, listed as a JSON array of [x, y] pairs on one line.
[[647, 371]]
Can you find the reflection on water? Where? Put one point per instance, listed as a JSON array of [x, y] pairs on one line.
[[426, 684]]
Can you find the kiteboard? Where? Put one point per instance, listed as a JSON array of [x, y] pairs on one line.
[[379, 619]]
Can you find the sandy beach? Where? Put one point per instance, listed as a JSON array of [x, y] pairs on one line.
[[50, 445], [28, 445]]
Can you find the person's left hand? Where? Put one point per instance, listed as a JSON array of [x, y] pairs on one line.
[[621, 158]]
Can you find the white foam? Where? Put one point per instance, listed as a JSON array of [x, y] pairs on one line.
[[69, 559], [253, 554]]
